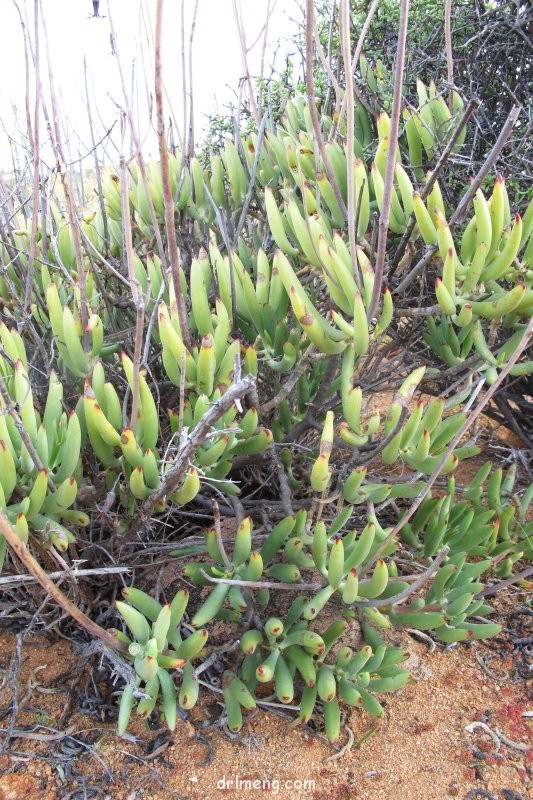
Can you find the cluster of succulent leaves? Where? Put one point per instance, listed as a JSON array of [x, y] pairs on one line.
[[272, 290], [481, 33]]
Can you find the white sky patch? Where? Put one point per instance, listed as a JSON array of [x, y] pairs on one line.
[[74, 37]]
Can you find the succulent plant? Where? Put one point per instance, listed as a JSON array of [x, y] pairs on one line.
[[275, 292], [157, 646]]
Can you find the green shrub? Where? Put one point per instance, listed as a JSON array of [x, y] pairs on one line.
[[282, 342]]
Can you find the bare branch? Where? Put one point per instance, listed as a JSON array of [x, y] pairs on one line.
[[391, 160], [135, 289], [138, 151], [22, 552], [170, 224], [449, 53], [71, 206], [12, 411], [36, 164], [344, 14], [7, 581], [524, 342], [486, 167], [237, 16], [191, 92], [286, 587], [490, 590], [364, 30], [218, 533], [192, 441], [428, 186], [458, 215], [407, 592], [311, 99]]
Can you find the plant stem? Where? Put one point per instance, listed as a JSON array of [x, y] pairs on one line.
[[490, 590], [22, 552], [426, 189], [528, 333], [135, 289], [344, 15], [218, 534], [36, 169], [415, 586], [460, 211], [241, 34], [13, 413], [449, 53], [364, 30], [193, 440], [57, 145], [170, 224], [311, 99], [138, 150], [391, 160], [191, 92], [290, 587]]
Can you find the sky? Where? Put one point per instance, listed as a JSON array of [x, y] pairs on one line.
[[75, 36]]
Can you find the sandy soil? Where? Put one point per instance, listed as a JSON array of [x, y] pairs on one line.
[[62, 743], [419, 750]]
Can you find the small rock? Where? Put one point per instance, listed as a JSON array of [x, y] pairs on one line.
[[453, 789]]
